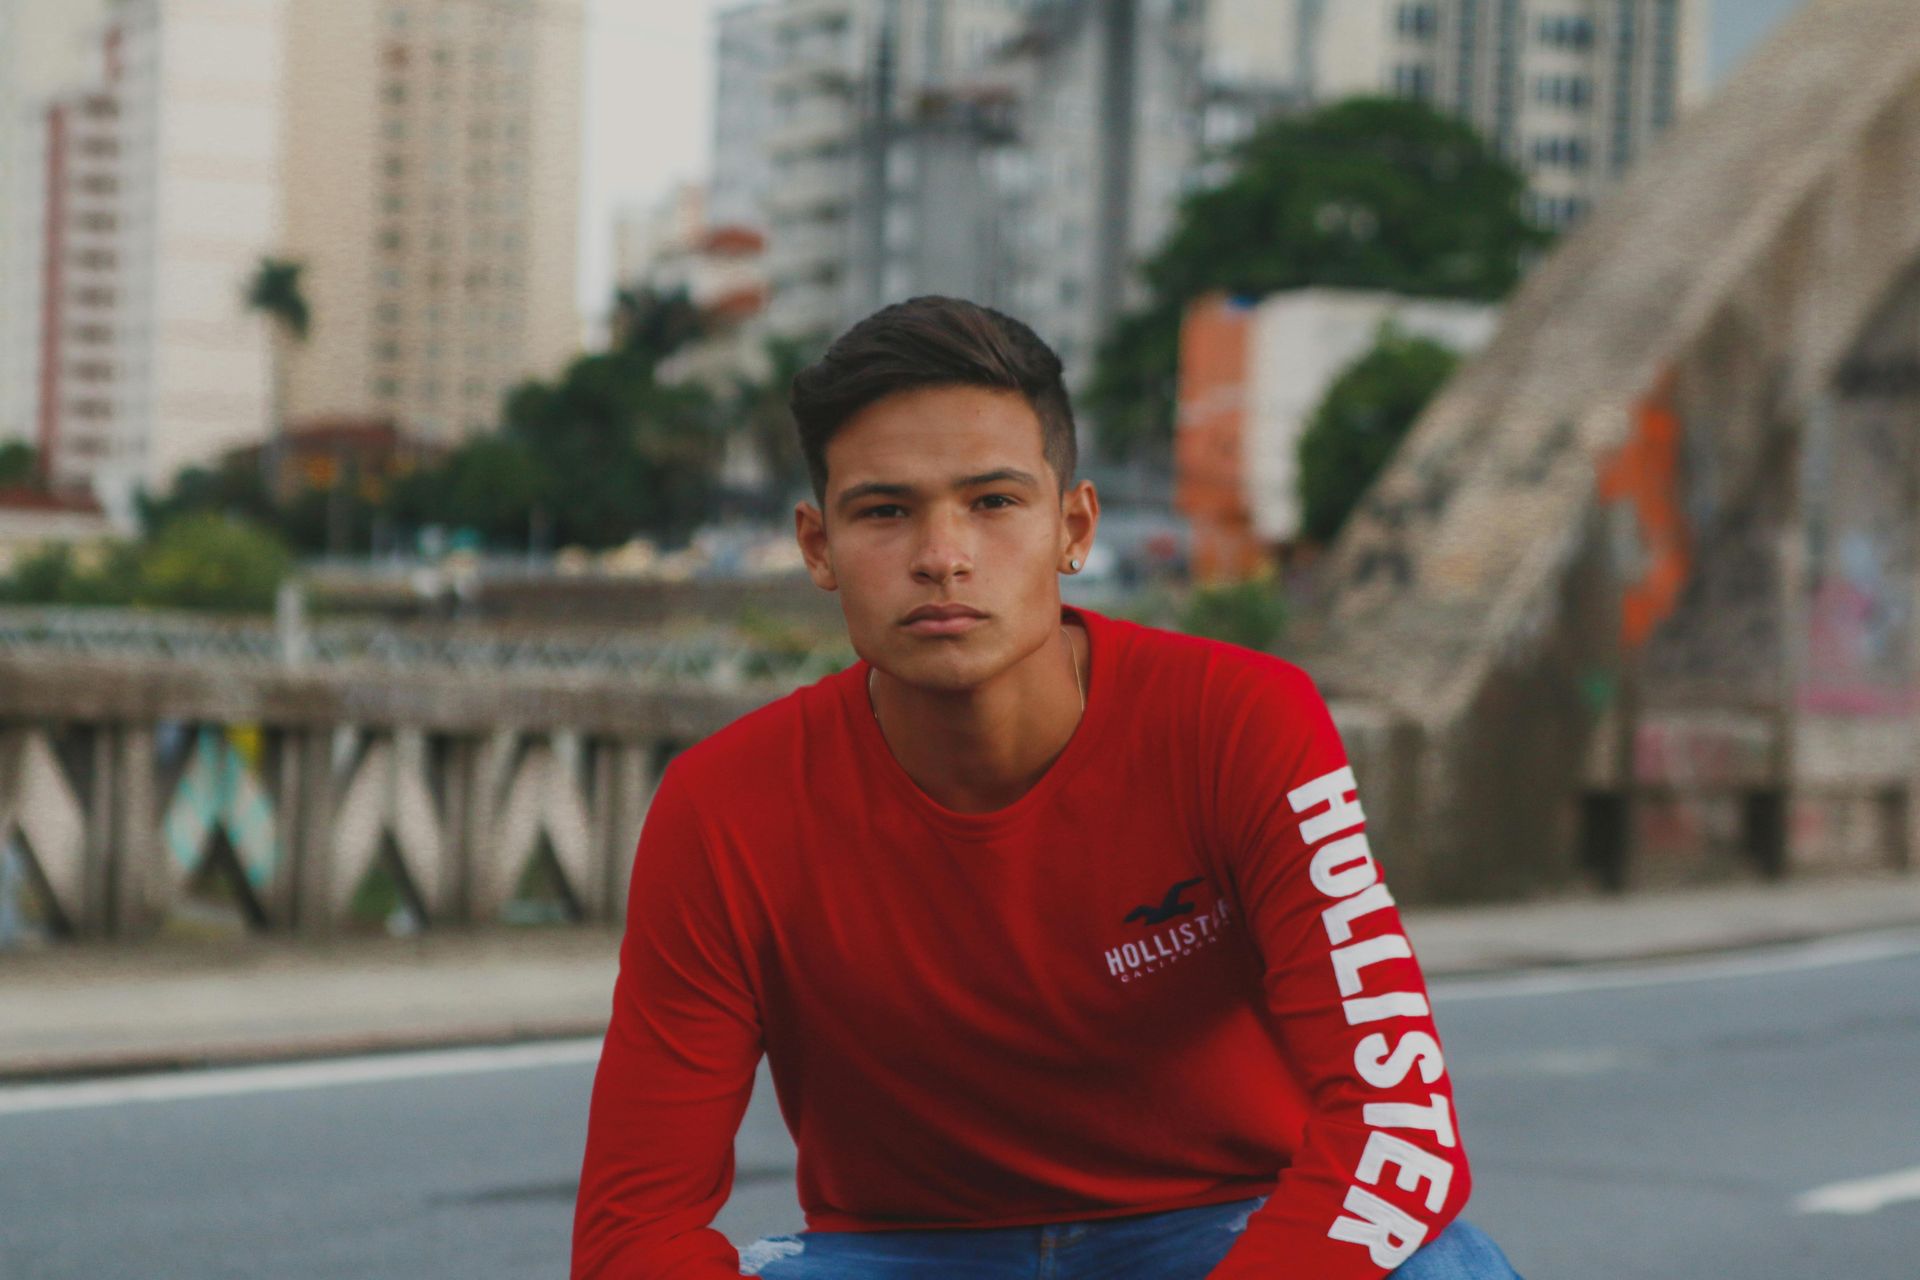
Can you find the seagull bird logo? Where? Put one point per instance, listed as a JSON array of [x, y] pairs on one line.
[[1170, 906]]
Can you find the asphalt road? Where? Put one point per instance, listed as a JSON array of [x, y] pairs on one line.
[[1752, 1118]]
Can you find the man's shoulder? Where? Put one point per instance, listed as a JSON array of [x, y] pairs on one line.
[[762, 743], [1213, 671]]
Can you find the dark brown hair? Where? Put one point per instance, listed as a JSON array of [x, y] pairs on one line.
[[931, 341]]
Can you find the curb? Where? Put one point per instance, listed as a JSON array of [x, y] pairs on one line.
[[56, 1068]]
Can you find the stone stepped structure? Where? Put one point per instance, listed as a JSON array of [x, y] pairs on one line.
[[1651, 554]]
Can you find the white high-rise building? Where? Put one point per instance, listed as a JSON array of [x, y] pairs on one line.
[[1570, 91], [743, 115], [48, 48], [418, 158], [152, 192], [432, 194], [199, 89], [844, 73]]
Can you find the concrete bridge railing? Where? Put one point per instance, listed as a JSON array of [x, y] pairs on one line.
[[121, 779]]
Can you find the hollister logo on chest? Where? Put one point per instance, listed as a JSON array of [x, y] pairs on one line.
[[1172, 929]]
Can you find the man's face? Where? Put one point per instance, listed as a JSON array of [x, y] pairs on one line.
[[942, 496]]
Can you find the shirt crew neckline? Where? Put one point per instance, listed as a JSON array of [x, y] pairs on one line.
[[993, 822]]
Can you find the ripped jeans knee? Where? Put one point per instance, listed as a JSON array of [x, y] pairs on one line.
[[767, 1252]]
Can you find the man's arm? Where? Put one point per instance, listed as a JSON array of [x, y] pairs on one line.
[[676, 1071], [1380, 1168]]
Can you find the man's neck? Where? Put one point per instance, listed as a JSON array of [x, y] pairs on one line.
[[983, 750]]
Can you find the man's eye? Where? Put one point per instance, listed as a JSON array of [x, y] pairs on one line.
[[872, 511], [1001, 497]]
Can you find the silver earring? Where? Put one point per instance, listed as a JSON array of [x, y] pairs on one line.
[[1073, 566]]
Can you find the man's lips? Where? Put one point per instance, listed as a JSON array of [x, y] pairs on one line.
[[939, 620]]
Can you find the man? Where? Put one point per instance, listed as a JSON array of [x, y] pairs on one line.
[[1061, 934]]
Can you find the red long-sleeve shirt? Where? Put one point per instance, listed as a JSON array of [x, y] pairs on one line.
[[1168, 975]]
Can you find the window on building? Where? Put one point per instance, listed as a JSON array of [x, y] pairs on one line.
[[1572, 92], [1566, 31], [1560, 153], [386, 388], [1666, 39], [1413, 80], [1557, 211], [1418, 21]]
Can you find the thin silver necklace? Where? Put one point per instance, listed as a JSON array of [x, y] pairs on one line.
[[1078, 686]]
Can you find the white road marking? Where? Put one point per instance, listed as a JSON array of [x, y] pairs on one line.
[[375, 1068], [1862, 1195], [1797, 957], [1566, 1063], [228, 1082]]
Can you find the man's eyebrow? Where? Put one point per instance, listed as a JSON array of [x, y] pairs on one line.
[[891, 489]]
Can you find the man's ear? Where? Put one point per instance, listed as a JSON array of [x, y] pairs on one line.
[[810, 530], [1080, 511]]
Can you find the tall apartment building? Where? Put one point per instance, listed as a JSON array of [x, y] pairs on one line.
[[47, 48], [844, 74], [432, 192], [78, 435], [154, 188], [1571, 91], [743, 114], [419, 158], [1108, 133], [198, 83], [1037, 169], [1025, 153]]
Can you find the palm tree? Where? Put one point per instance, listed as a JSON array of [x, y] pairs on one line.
[[274, 292], [760, 408]]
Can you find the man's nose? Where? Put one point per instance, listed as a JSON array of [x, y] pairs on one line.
[[942, 549]]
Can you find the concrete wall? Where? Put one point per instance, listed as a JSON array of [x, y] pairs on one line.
[[1677, 480]]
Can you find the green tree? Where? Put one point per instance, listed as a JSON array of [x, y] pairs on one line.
[[625, 454], [491, 484], [228, 488], [1361, 421], [199, 560], [654, 323], [759, 407], [274, 292], [207, 561], [1368, 193], [1249, 613], [16, 463]]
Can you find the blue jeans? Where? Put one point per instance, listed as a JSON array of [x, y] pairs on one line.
[[1180, 1244]]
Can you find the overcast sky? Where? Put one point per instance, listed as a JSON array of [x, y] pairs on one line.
[[649, 110], [1738, 25], [650, 105]]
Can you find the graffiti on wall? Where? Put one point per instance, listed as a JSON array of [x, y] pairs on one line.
[[1863, 497], [1641, 481]]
